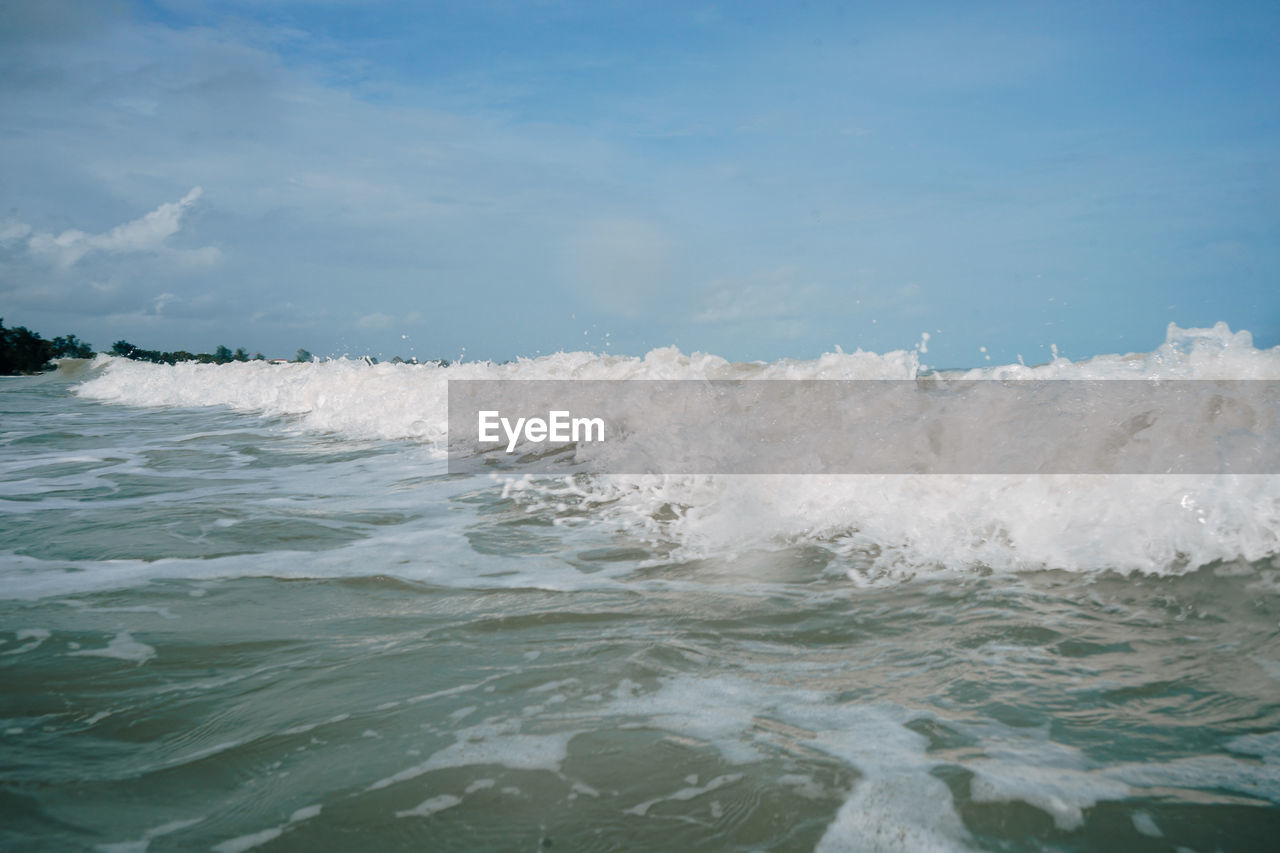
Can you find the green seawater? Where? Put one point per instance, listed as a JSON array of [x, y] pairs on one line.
[[218, 632]]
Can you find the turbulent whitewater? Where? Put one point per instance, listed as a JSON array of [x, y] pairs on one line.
[[246, 606], [884, 526]]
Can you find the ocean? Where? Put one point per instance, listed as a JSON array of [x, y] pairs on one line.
[[248, 607]]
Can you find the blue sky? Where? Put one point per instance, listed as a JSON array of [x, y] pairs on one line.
[[756, 180]]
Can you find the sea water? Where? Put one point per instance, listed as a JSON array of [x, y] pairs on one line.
[[247, 607]]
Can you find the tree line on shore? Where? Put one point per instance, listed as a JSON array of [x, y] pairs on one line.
[[25, 351], [222, 355]]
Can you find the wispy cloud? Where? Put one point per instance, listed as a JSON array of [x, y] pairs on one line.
[[145, 234], [381, 322], [773, 295], [620, 265]]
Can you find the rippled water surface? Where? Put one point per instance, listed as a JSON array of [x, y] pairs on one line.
[[218, 632]]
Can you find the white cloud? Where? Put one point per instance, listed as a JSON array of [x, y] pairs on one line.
[[379, 322], [146, 234], [149, 231], [13, 231], [375, 321], [621, 265], [738, 302], [163, 300]]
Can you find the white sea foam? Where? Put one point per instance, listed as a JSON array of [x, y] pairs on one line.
[[689, 793], [403, 401], [429, 807], [896, 805], [490, 743], [142, 844], [884, 527], [247, 842], [1061, 791], [123, 647], [256, 839], [898, 814], [33, 639], [1145, 824], [1203, 771]]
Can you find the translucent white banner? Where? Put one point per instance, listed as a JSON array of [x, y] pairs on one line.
[[923, 426]]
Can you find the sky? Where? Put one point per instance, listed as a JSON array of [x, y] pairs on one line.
[[492, 179]]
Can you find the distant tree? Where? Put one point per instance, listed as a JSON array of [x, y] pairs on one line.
[[152, 355], [128, 350], [303, 355], [257, 356], [22, 350], [71, 347]]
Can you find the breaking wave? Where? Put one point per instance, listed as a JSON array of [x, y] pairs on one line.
[[884, 527]]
